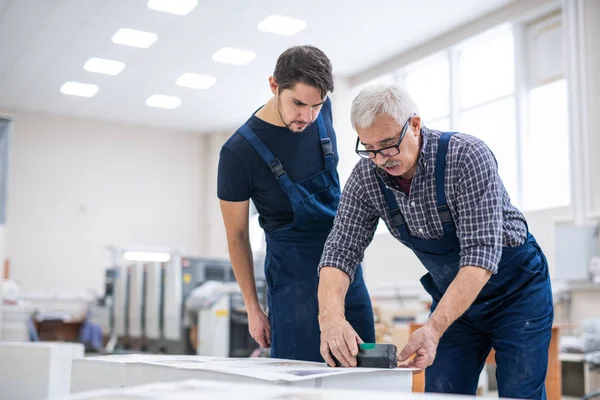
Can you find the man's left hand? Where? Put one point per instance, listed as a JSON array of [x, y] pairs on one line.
[[423, 344]]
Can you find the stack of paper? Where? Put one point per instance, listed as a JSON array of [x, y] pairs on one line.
[[131, 370], [39, 370], [205, 390], [117, 371], [287, 372], [15, 318]]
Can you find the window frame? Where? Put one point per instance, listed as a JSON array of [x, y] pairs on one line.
[[522, 32]]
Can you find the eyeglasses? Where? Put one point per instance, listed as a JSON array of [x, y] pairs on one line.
[[389, 151]]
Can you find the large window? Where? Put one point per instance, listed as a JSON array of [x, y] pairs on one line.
[[486, 98], [507, 87], [471, 88], [486, 68], [546, 179], [494, 123], [428, 81], [545, 151]]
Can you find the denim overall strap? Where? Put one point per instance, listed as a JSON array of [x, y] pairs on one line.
[[267, 156], [326, 144], [440, 179], [395, 214]]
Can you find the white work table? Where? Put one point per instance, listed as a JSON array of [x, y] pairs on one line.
[[210, 390], [131, 370]]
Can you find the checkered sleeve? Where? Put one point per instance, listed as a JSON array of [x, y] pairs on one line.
[[479, 204], [353, 228]]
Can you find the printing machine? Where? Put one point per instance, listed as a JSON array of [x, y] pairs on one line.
[[222, 321], [147, 304], [194, 273]]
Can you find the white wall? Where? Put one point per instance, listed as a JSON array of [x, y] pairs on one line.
[[216, 241], [78, 185]]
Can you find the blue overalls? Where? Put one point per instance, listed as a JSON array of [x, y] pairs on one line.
[[513, 313], [293, 255]]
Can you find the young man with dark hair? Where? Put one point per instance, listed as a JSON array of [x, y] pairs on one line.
[[285, 159]]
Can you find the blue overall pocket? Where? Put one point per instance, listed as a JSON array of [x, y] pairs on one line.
[[320, 206]]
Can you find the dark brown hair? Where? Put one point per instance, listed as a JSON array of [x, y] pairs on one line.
[[304, 64]]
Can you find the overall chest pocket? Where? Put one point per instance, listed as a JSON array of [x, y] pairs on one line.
[[320, 205]]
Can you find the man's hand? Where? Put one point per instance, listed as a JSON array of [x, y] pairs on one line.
[[460, 295], [423, 344], [338, 338], [260, 330]]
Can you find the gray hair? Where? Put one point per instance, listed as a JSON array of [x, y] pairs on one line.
[[374, 100]]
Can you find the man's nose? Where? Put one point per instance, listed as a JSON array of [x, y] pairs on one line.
[[307, 115], [378, 157]]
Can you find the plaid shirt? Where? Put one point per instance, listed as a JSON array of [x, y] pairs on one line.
[[478, 202]]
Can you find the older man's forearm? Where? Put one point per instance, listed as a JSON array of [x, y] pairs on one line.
[[333, 285], [459, 296]]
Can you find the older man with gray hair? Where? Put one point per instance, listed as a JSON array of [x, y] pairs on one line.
[[439, 193]]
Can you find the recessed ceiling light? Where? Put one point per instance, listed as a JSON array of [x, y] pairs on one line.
[[102, 66], [79, 89], [163, 101], [230, 55], [196, 81], [281, 25], [133, 38], [177, 7]]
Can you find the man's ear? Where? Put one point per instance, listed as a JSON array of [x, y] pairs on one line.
[[273, 85], [415, 123]]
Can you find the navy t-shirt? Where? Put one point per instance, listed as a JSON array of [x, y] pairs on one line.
[[243, 174]]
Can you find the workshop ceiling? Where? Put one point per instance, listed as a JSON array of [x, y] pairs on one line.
[[45, 43]]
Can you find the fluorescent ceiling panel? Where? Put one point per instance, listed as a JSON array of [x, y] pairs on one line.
[[102, 66], [280, 25], [163, 101], [229, 55], [133, 38], [177, 7], [196, 81], [146, 256], [78, 89]]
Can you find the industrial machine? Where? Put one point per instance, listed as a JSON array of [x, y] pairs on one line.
[[221, 323], [147, 299], [194, 273]]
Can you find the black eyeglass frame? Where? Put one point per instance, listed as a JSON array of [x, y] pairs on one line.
[[371, 154]]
